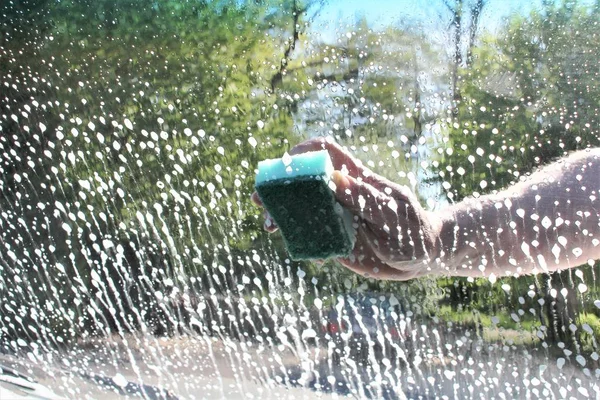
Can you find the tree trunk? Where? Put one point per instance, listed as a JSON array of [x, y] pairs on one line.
[[457, 57], [560, 311], [475, 14], [416, 115], [278, 77]]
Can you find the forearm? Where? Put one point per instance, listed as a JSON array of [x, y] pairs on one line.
[[546, 222]]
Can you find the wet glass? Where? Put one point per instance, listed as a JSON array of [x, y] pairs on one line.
[[133, 263]]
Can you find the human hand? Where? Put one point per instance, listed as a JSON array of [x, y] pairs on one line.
[[396, 237]]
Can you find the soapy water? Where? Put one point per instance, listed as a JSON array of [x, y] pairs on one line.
[[132, 263]]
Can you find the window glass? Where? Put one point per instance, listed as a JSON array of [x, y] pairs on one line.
[[134, 264]]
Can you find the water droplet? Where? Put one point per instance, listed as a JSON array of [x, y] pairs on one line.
[[120, 380], [563, 241], [546, 222], [558, 222], [584, 392], [525, 249], [67, 228]]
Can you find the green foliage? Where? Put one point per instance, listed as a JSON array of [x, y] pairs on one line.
[[590, 324], [133, 129], [138, 129], [527, 98]]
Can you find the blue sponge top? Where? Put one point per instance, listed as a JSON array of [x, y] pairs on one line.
[[315, 163]]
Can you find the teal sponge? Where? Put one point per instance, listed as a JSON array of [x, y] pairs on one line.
[[295, 191]]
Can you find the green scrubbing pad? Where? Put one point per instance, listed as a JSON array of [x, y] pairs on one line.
[[295, 191]]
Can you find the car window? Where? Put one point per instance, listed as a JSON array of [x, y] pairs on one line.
[[133, 262]]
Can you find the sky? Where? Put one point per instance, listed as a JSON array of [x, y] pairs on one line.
[[432, 15]]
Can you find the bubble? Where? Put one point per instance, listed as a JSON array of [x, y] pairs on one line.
[[525, 249], [120, 380], [546, 222], [562, 240], [309, 334], [286, 159], [67, 228], [85, 184], [583, 391]]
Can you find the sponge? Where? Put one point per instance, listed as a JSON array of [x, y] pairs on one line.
[[295, 191]]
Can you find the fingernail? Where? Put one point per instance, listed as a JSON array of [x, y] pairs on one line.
[[339, 179]]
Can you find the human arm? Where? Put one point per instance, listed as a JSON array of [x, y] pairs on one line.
[[546, 222], [492, 235]]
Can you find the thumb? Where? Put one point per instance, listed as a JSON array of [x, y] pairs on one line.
[[356, 196]]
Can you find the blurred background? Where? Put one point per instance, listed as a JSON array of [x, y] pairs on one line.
[[133, 264]]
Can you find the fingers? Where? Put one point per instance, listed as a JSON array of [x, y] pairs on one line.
[[353, 194], [340, 158], [364, 200], [256, 199], [374, 268], [365, 262], [269, 224], [390, 224]]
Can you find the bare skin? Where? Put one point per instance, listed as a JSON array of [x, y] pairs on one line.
[[548, 221]]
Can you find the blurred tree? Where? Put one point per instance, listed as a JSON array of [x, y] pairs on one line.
[[133, 147], [527, 98], [368, 89], [463, 26]]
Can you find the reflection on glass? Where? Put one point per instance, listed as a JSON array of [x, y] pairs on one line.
[[134, 263]]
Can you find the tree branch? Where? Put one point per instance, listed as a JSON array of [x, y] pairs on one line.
[[278, 77], [476, 10]]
